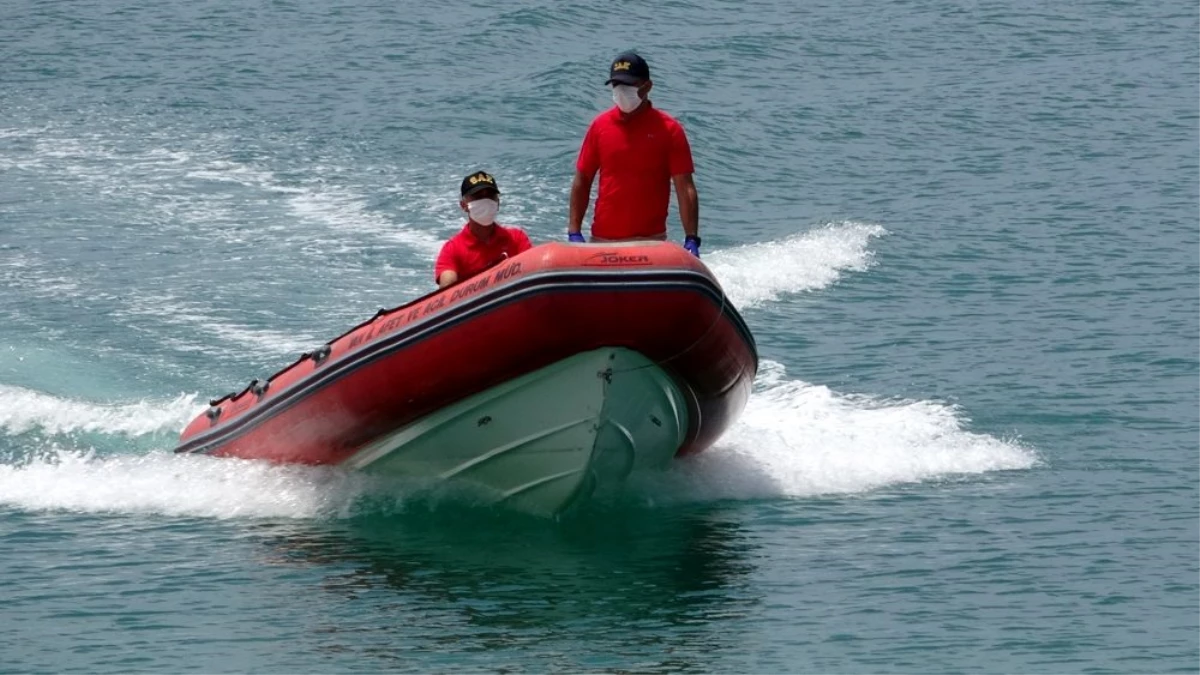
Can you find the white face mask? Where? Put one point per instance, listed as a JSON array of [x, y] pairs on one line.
[[626, 97], [483, 211]]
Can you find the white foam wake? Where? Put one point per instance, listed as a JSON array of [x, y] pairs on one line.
[[758, 273], [200, 319], [348, 212], [797, 439], [26, 410], [178, 485], [322, 202]]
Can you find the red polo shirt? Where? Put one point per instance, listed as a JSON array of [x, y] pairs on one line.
[[636, 156], [468, 256]]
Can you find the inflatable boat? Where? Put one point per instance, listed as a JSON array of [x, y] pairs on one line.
[[558, 372]]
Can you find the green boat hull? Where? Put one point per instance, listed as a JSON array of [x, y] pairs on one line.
[[546, 441]]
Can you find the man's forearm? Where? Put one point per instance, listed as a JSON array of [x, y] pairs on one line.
[[578, 208], [581, 190], [689, 211]]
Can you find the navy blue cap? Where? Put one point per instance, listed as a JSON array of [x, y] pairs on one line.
[[477, 182], [628, 68]]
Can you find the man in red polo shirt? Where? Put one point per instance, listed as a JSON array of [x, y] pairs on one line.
[[482, 242], [639, 151]]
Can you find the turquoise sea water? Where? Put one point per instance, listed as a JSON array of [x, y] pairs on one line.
[[965, 236]]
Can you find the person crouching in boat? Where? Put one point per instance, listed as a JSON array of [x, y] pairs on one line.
[[482, 243]]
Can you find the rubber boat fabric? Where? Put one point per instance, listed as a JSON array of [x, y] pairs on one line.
[[555, 373]]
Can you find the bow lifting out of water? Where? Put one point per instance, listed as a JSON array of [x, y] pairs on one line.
[[557, 372]]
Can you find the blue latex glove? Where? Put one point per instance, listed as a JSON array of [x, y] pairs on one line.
[[576, 237], [692, 244]]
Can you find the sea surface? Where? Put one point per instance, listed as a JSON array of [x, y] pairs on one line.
[[964, 234]]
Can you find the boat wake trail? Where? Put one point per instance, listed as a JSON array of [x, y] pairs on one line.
[[755, 274], [26, 410], [801, 440], [178, 485], [795, 440]]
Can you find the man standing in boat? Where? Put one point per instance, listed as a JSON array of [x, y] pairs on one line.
[[482, 243], [639, 151]]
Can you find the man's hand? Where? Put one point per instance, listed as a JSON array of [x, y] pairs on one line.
[[692, 244]]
